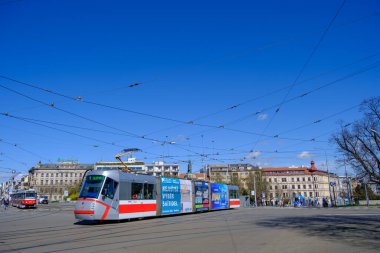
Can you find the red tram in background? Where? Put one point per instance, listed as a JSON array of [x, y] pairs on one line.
[[24, 199]]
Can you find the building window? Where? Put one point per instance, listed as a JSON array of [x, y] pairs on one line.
[[52, 182], [71, 174], [270, 180], [46, 181], [293, 186], [316, 187], [299, 186], [315, 178], [303, 179], [298, 179], [292, 179], [304, 186], [42, 175], [61, 182], [56, 174], [275, 187], [275, 180], [308, 179], [283, 179], [270, 187], [56, 181], [42, 182], [305, 194], [311, 194], [66, 174], [309, 186]]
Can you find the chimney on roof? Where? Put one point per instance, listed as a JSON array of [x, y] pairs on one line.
[[313, 168]]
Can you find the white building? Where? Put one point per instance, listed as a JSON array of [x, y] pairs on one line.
[[54, 179], [156, 168]]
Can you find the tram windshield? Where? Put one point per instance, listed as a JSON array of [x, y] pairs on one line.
[[92, 186], [30, 195]]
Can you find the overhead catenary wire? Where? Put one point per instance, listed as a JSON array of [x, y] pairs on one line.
[[182, 122], [62, 130], [76, 115], [300, 96], [21, 148], [303, 68]]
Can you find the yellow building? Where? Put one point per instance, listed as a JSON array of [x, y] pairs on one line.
[[288, 182], [232, 173]]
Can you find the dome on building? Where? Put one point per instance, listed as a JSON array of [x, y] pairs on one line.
[[312, 168]]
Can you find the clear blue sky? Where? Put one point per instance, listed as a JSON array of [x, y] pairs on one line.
[[192, 59]]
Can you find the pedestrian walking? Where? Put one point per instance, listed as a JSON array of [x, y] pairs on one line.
[[6, 203]]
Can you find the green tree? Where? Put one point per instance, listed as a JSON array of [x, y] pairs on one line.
[[359, 193], [218, 178], [261, 183], [74, 191]]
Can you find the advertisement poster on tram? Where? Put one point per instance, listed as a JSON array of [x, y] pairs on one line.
[[201, 196], [219, 196], [186, 195], [170, 195]]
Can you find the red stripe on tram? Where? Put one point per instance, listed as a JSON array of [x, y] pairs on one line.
[[99, 202], [84, 212], [235, 202], [137, 208]]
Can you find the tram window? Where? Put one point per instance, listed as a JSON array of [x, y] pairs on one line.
[[31, 195], [149, 191], [234, 194], [137, 191], [109, 188], [125, 190], [91, 187]]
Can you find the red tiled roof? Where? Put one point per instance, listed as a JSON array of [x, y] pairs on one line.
[[284, 169]]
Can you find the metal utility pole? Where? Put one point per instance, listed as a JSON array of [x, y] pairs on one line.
[[348, 184], [328, 174], [366, 193], [254, 186]]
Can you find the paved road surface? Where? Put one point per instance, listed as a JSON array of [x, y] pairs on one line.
[[52, 228]]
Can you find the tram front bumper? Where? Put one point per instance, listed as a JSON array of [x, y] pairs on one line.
[[85, 210]]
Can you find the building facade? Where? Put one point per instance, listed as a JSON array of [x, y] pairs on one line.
[[231, 173], [154, 169], [54, 179], [288, 182]]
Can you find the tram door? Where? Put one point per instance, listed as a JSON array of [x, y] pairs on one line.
[[109, 192]]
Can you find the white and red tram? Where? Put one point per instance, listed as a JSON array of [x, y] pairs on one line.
[[24, 198], [116, 195]]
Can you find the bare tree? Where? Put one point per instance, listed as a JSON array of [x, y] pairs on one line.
[[359, 142]]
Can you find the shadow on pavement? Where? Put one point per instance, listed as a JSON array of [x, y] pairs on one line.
[[361, 231]]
